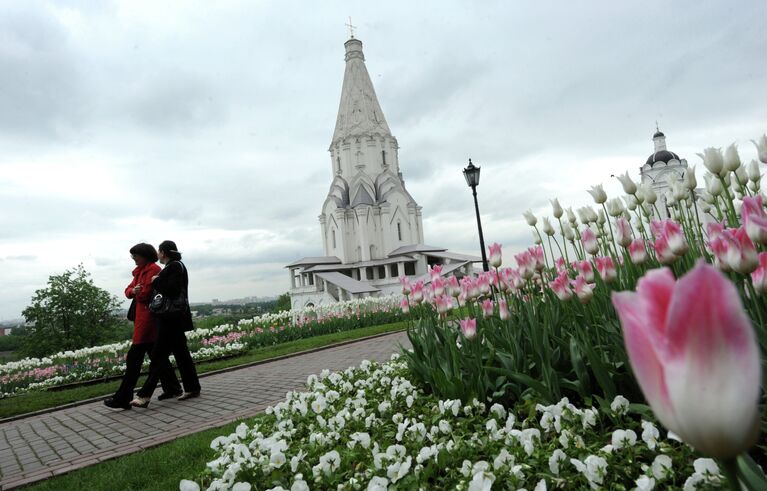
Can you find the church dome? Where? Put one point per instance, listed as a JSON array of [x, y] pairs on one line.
[[661, 156], [658, 134]]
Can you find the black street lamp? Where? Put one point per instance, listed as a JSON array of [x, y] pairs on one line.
[[471, 173]]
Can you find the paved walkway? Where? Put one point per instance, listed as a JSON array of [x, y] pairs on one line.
[[38, 447]]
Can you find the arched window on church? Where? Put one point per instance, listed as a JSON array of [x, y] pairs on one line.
[[399, 231], [383, 158], [338, 163], [334, 238]]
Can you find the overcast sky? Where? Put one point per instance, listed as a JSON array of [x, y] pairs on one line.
[[208, 123]]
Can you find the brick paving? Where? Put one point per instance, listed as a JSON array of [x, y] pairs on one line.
[[46, 445]]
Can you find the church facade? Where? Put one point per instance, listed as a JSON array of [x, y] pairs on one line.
[[371, 227]]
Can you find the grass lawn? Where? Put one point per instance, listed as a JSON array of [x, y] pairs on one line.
[[35, 401], [159, 468]]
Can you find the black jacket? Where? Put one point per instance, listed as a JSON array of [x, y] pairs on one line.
[[171, 282]]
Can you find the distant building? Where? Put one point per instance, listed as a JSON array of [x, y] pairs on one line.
[[371, 227], [662, 167]]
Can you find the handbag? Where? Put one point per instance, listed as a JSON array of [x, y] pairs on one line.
[[164, 306], [132, 311]]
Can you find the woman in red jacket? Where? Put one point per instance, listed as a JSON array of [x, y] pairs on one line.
[[144, 331]]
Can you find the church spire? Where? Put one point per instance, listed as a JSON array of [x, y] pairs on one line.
[[359, 112]]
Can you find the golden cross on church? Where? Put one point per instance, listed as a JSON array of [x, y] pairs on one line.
[[351, 28]]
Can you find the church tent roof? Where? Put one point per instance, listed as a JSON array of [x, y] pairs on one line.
[[415, 248]]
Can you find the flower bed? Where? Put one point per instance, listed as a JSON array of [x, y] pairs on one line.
[[205, 344], [372, 428]]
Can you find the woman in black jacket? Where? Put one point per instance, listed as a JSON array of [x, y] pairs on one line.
[[171, 282]]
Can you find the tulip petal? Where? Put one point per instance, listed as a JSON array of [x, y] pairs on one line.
[[642, 344], [655, 290], [712, 369]]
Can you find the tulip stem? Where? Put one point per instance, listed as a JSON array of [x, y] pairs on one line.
[[730, 471]]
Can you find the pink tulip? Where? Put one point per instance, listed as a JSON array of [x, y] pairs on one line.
[[404, 305], [622, 232], [719, 247], [416, 294], [405, 282], [754, 219], [443, 303], [714, 230], [453, 287], [560, 264], [583, 290], [495, 255], [469, 328], [561, 287], [435, 271], [503, 309], [663, 252], [538, 257], [526, 263], [438, 286], [589, 240], [606, 269], [585, 269], [483, 282], [675, 237], [759, 276], [741, 253], [694, 353], [638, 252], [487, 307]]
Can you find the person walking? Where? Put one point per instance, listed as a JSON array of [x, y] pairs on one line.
[[144, 331], [171, 282]]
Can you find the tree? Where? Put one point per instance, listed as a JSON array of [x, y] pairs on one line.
[[70, 313], [283, 303]]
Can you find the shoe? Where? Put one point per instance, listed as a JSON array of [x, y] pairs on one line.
[[168, 395], [116, 404], [189, 395], [142, 402]]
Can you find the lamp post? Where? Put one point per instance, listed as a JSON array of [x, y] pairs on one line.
[[471, 173]]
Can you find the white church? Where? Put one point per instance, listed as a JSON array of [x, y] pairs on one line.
[[371, 227]]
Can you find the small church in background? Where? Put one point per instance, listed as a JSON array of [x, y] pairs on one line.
[[371, 227]]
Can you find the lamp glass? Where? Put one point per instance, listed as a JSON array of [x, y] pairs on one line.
[[471, 173]]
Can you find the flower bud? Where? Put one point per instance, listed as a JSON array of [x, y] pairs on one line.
[[571, 216], [731, 158], [601, 219], [531, 220], [615, 207], [713, 185], [761, 148], [547, 228], [557, 209], [741, 174], [649, 194], [631, 202], [753, 171], [690, 181]]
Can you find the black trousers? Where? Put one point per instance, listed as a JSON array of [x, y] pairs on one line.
[[133, 361], [170, 339]]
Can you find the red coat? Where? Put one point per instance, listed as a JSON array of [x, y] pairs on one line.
[[145, 329]]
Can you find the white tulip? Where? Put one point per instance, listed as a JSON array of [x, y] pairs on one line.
[[713, 160], [567, 230], [615, 207], [558, 211], [731, 158], [601, 219], [631, 202], [713, 185], [598, 193], [629, 187], [761, 148], [649, 194], [753, 171], [571, 216], [547, 228], [742, 175], [689, 179], [536, 238], [531, 220]]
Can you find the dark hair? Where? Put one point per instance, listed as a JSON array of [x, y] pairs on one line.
[[145, 250], [168, 247]]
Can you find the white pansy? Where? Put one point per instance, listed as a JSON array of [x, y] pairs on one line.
[[541, 486], [187, 485], [645, 483], [554, 460], [706, 466], [398, 470], [650, 434], [378, 483], [623, 438], [661, 467], [620, 405], [482, 481]]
